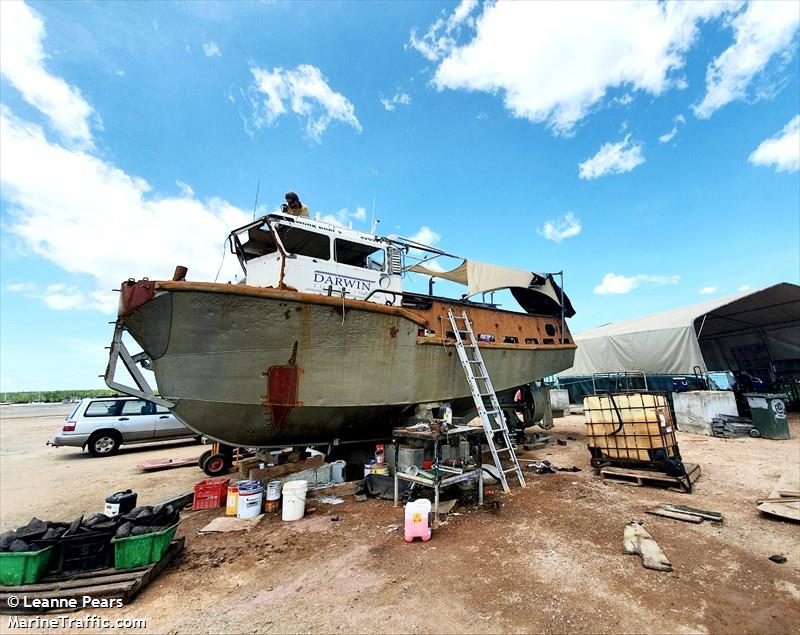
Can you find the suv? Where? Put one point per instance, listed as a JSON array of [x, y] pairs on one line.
[[102, 425]]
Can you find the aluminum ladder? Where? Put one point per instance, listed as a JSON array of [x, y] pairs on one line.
[[490, 414]]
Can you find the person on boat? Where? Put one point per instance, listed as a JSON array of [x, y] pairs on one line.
[[293, 205]]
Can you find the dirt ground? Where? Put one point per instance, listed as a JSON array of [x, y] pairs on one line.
[[547, 558], [62, 483]]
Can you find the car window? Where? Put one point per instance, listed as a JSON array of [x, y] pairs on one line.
[[101, 409], [161, 410], [135, 407]]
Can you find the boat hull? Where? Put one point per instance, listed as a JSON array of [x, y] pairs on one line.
[[257, 370]]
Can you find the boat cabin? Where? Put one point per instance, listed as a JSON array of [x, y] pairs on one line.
[[312, 256]]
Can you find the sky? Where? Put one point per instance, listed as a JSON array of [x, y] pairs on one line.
[[650, 150]]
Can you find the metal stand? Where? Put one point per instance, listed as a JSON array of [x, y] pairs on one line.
[[439, 475]]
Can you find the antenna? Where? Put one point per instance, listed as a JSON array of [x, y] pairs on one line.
[[255, 204], [374, 224]]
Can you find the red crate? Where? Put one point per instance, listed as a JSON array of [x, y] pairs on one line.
[[210, 493]]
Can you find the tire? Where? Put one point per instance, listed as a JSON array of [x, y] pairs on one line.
[[216, 464], [104, 443], [203, 458], [754, 432]]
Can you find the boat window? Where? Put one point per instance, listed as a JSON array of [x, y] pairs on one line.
[[531, 340], [549, 329], [305, 243], [510, 339], [359, 255]]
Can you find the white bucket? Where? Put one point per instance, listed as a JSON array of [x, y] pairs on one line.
[[337, 471], [274, 490], [251, 494], [294, 500]]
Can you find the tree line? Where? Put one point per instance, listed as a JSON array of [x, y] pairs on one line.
[[53, 396]]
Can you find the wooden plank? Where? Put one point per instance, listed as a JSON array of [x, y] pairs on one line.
[[789, 483], [269, 473], [675, 515], [683, 509], [340, 489], [641, 478], [154, 465], [117, 576], [109, 583]]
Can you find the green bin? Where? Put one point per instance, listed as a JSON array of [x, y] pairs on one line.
[[138, 551], [769, 414], [24, 567]]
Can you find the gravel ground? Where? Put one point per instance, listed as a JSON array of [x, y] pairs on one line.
[[546, 558]]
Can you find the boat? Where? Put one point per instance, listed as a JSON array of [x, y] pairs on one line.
[[320, 342]]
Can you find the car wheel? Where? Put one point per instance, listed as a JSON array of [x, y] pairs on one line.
[[755, 433], [104, 443], [216, 465]]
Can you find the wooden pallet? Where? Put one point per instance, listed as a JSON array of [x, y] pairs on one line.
[[640, 478], [105, 583]]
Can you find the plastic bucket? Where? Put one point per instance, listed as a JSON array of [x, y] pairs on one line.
[[273, 501], [337, 471], [369, 464], [251, 494], [294, 500]]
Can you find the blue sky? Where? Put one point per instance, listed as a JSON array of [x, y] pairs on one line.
[[651, 150]]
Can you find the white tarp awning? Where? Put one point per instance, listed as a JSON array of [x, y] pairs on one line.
[[715, 335], [481, 277]]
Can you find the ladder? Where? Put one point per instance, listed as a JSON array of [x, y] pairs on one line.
[[489, 411]]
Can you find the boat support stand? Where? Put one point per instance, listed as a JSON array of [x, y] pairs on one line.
[[118, 351]]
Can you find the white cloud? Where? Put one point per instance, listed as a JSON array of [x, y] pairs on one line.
[[612, 158], [762, 31], [554, 62], [21, 34], [439, 40], [344, 217], [211, 49], [558, 230], [305, 92], [89, 217], [399, 98], [782, 150], [708, 290], [185, 189], [620, 284], [426, 236], [667, 137], [21, 287], [744, 287]]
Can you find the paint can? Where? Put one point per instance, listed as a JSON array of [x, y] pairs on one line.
[[369, 464], [232, 502], [250, 496], [382, 470], [273, 500]]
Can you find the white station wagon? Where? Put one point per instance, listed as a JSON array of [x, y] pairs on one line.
[[101, 425]]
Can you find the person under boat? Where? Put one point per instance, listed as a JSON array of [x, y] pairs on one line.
[[293, 205]]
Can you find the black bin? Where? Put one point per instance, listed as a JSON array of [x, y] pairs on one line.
[[85, 551]]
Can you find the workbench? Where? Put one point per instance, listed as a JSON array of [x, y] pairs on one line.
[[442, 475]]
